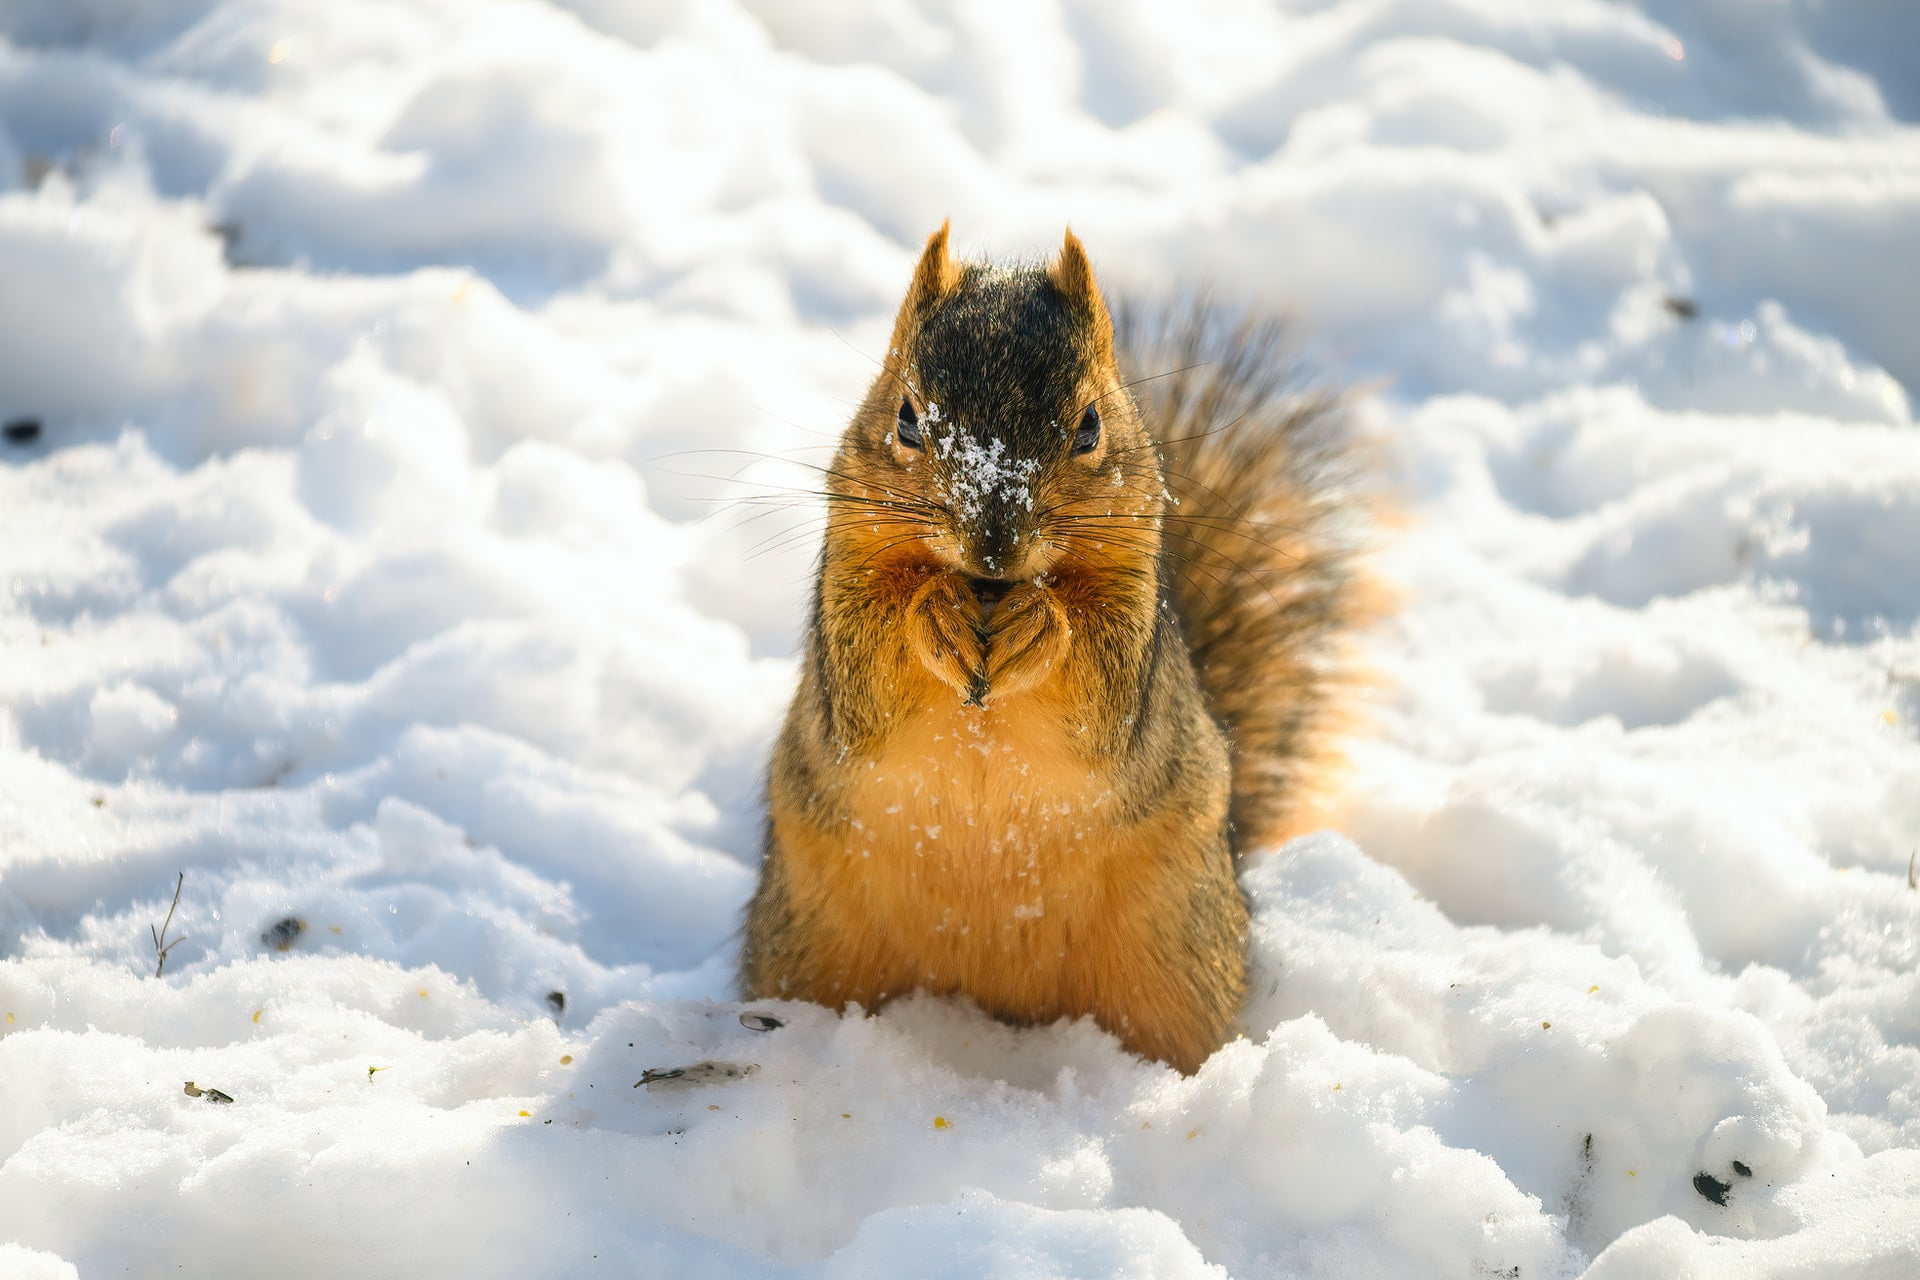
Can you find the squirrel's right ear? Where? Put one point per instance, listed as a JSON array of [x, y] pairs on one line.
[[937, 275]]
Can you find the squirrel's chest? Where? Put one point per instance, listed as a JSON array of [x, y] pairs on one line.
[[988, 856], [967, 820]]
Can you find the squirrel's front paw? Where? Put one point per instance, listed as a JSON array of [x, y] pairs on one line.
[[1029, 634], [943, 631]]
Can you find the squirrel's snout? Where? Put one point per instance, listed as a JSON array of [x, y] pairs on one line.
[[999, 548]]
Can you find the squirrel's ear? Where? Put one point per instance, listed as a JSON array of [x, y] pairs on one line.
[[937, 275], [1072, 275]]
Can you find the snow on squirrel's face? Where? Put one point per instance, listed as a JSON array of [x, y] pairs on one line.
[[999, 436]]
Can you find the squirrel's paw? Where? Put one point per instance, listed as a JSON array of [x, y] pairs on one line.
[[943, 632], [1030, 634]]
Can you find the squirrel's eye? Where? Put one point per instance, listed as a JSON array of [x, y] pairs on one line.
[[909, 426], [1087, 438]]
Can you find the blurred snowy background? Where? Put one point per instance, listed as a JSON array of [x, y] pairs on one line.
[[355, 560]]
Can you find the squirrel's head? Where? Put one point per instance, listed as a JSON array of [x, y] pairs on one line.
[[999, 439]]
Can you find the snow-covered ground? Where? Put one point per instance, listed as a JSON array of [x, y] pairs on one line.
[[388, 357]]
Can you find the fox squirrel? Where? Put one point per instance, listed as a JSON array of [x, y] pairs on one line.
[[1044, 705]]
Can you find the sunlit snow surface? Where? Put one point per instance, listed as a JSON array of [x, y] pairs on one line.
[[388, 356]]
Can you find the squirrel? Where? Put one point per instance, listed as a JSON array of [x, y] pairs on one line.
[[1044, 706]]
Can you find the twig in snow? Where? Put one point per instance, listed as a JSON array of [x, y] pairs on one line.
[[1911, 882], [160, 944]]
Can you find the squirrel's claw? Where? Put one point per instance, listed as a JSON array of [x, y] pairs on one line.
[[986, 657], [1030, 634], [943, 632]]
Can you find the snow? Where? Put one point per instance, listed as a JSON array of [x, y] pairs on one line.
[[974, 475], [391, 360]]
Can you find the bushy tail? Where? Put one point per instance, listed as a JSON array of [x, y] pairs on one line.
[[1271, 512]]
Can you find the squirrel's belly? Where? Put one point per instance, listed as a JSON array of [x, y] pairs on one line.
[[989, 856], [973, 858]]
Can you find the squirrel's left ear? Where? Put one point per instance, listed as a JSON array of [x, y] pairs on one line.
[[1072, 275], [936, 275]]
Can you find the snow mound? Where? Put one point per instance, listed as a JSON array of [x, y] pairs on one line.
[[370, 375]]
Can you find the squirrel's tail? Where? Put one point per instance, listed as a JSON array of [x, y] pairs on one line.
[[1269, 518]]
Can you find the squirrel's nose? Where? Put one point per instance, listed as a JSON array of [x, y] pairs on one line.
[[998, 550]]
